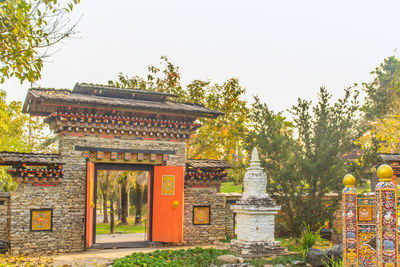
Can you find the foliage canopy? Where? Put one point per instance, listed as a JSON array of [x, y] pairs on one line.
[[217, 138], [28, 28], [18, 133], [302, 159]]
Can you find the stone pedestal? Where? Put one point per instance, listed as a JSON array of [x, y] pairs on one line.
[[255, 215]]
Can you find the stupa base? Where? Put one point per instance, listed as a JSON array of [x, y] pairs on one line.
[[257, 249]]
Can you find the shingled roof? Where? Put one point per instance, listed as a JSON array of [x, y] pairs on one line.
[[207, 163], [390, 157], [11, 158], [42, 102]]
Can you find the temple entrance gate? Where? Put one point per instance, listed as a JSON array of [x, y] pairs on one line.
[[97, 126], [165, 202]]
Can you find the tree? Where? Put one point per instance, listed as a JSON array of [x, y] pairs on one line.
[[104, 182], [18, 133], [140, 183], [273, 134], [28, 28], [323, 136], [124, 193], [217, 138], [383, 92], [302, 159], [384, 133], [380, 125], [111, 178]]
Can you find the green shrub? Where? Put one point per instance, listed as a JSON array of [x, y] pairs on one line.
[[197, 257], [334, 263], [308, 238]]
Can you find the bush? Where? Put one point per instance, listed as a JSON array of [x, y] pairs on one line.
[[198, 257], [308, 238], [334, 263]]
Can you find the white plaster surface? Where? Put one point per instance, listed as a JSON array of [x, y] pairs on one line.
[[255, 212], [255, 180]]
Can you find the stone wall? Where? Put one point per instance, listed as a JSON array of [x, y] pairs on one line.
[[68, 198], [5, 216], [65, 235], [230, 200], [204, 196]]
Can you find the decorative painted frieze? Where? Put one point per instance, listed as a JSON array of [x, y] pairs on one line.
[[125, 157], [46, 174], [121, 126]]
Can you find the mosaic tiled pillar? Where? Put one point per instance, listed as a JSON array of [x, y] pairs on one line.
[[349, 222], [386, 216], [366, 231]]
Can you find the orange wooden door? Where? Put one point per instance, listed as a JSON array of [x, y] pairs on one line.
[[168, 204], [89, 203]]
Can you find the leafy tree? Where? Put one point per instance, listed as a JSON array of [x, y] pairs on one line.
[[27, 29], [125, 186], [384, 91], [140, 183], [323, 135], [104, 185], [302, 158], [19, 133], [379, 131], [217, 138], [273, 135]]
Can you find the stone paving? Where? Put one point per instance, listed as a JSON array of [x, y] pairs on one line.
[[114, 238]]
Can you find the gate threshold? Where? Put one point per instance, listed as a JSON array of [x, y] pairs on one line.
[[112, 245]]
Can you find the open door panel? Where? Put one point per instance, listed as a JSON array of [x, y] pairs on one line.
[[168, 204]]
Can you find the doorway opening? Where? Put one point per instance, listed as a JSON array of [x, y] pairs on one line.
[[123, 205]]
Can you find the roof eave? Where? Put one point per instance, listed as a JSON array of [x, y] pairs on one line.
[[28, 102]]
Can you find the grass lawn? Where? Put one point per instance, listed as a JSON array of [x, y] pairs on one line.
[[230, 187], [290, 243], [104, 228]]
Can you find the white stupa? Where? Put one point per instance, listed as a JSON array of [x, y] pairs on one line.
[[255, 215]]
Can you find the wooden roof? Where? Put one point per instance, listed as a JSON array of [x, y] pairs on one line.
[[42, 101], [11, 158], [352, 154], [390, 157], [207, 163], [115, 92]]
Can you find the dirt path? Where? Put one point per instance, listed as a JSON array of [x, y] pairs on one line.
[[113, 238]]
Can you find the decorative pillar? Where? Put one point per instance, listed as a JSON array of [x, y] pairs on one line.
[[386, 218], [349, 221], [255, 215]]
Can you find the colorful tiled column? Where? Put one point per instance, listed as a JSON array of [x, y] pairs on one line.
[[349, 221], [386, 216]]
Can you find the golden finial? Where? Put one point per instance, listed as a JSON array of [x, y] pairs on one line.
[[349, 180], [385, 173]]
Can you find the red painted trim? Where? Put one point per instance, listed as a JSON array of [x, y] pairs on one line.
[[42, 185], [148, 139], [106, 136], [76, 134]]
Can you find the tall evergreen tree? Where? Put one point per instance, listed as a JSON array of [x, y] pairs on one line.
[[302, 159]]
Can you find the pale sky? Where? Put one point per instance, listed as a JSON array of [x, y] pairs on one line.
[[279, 50]]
